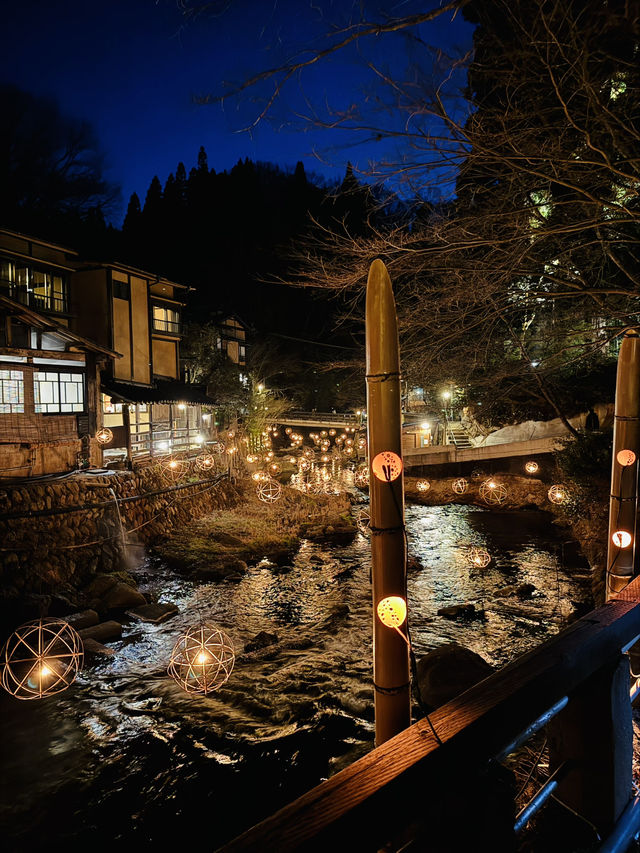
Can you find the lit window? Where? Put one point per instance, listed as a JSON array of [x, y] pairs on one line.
[[11, 392], [58, 392], [166, 320]]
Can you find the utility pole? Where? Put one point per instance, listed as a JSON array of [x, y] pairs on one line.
[[386, 489], [624, 467]]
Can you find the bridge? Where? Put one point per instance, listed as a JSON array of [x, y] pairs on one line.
[[442, 454], [324, 420], [441, 785]]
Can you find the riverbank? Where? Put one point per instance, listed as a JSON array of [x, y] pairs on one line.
[[222, 545]]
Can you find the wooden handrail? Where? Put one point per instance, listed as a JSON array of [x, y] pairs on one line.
[[370, 799]]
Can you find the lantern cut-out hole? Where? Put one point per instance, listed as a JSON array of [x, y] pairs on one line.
[[387, 466], [202, 659], [423, 485], [531, 467], [625, 457], [41, 658], [104, 435], [459, 486], [621, 538], [558, 494]]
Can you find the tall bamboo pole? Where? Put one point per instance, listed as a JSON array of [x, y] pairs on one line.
[[388, 554], [624, 477]]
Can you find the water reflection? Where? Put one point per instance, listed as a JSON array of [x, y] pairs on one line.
[[127, 754]]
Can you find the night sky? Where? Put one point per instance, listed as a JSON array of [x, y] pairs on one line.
[[133, 67]]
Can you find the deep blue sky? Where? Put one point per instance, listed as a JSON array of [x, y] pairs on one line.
[[132, 67]]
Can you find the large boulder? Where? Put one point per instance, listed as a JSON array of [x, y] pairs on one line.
[[448, 671], [122, 597]]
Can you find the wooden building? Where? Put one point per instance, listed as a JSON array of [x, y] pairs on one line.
[[149, 409]]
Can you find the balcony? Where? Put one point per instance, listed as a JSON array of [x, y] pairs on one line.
[[56, 303]]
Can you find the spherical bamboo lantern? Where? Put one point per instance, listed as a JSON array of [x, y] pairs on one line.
[[479, 557], [104, 436], [387, 466], [220, 447], [174, 467], [332, 432], [363, 520], [205, 462], [348, 451], [288, 431], [531, 467], [274, 469], [361, 475], [625, 458], [260, 476], [459, 486], [493, 492], [202, 659], [304, 464], [558, 494], [309, 453], [41, 658], [269, 491], [392, 611], [323, 433], [325, 458], [423, 485], [362, 443], [477, 474]]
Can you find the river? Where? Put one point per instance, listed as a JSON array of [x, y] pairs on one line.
[[125, 757]]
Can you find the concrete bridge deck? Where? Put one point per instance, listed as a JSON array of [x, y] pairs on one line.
[[443, 454]]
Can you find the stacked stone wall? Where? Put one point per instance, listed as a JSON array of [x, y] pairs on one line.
[[56, 534]]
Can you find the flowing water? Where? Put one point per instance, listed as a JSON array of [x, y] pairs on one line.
[[125, 756]]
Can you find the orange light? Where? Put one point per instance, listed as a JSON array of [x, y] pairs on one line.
[[626, 457], [387, 466], [621, 538], [392, 611], [531, 467]]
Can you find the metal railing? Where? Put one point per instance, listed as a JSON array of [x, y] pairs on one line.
[[49, 302], [414, 788], [170, 327]]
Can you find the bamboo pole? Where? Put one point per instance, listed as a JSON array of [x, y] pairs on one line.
[[624, 477], [388, 554]]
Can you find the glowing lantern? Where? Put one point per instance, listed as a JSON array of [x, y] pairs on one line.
[[558, 495], [174, 467], [104, 435], [274, 468], [230, 434], [275, 433], [625, 457], [492, 492], [269, 491], [309, 453], [362, 443], [205, 462], [260, 476], [392, 611], [293, 460], [361, 476], [459, 486], [219, 447], [251, 458], [41, 658], [349, 451], [423, 485], [531, 467], [621, 538], [387, 466], [288, 430], [479, 557], [349, 442], [332, 432], [323, 433], [304, 464], [363, 520], [202, 659], [325, 458], [477, 474]]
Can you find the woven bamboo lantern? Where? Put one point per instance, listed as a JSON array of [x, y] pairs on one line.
[[220, 447], [363, 520], [104, 436], [459, 486], [274, 469], [202, 659], [173, 467], [304, 464], [362, 443], [558, 494], [205, 462], [423, 485], [621, 538], [361, 476], [41, 658], [493, 492], [332, 432], [479, 557], [269, 491], [531, 467]]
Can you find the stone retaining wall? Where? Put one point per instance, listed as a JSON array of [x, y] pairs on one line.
[[69, 530]]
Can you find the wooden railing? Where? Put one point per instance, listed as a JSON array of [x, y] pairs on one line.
[[440, 783]]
